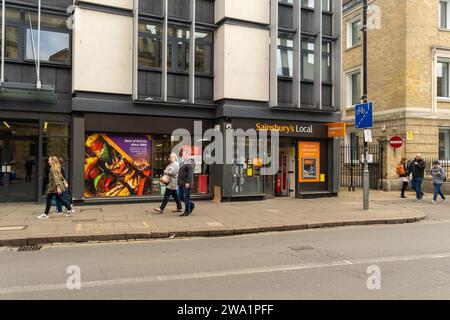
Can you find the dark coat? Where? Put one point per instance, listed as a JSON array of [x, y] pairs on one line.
[[186, 173], [417, 170]]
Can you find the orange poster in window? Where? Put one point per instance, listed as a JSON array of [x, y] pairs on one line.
[[309, 161]]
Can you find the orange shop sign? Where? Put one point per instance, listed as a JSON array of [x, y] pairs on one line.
[[336, 130]]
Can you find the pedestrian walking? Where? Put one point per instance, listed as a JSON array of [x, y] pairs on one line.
[[66, 193], [402, 171], [170, 178], [186, 182], [56, 186], [417, 170], [439, 177]]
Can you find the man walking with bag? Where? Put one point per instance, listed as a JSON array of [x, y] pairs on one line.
[[186, 182]]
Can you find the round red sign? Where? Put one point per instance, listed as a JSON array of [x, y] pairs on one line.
[[396, 142]]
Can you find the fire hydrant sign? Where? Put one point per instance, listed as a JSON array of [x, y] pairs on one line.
[[396, 142]]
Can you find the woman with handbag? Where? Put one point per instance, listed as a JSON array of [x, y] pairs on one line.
[[56, 186], [170, 179]]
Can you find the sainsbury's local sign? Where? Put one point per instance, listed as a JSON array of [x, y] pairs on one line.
[[284, 128]]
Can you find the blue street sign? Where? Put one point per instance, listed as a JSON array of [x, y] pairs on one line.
[[364, 116]]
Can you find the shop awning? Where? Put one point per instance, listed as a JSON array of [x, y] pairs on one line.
[[27, 92]]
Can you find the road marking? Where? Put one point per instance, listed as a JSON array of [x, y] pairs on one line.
[[12, 228], [214, 224], [79, 227], [224, 273]]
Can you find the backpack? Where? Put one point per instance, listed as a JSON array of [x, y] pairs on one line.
[[401, 171]]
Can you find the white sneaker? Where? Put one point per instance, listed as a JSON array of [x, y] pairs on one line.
[[435, 202], [58, 213], [444, 200], [43, 216], [70, 212]]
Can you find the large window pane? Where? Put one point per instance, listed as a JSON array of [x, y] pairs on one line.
[[148, 52], [55, 46], [442, 79], [356, 88], [203, 57], [443, 10], [326, 62], [285, 57], [308, 60], [356, 32], [12, 42]]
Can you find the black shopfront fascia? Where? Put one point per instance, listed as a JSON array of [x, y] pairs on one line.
[[131, 124]]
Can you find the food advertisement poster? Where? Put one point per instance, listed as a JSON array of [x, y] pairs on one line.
[[309, 161], [117, 165]]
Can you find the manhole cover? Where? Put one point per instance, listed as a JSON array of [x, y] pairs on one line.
[[30, 248], [301, 248]]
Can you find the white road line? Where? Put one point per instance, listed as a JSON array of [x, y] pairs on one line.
[[224, 273]]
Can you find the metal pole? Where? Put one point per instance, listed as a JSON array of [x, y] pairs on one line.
[[365, 100], [2, 76], [38, 82]]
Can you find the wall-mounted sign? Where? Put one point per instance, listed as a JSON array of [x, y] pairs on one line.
[[396, 142], [284, 128], [309, 161], [410, 136], [336, 130]]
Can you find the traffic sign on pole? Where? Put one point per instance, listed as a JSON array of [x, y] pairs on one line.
[[396, 142], [364, 116]]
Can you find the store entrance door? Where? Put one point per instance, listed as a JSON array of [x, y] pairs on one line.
[[285, 179], [18, 182]]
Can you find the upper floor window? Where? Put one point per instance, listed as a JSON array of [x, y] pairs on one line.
[[22, 39], [55, 38], [353, 88], [444, 14], [442, 74], [308, 59], [354, 32], [285, 56], [149, 45], [326, 62]]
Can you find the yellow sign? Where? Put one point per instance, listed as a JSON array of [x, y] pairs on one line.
[[410, 135], [336, 130], [322, 178]]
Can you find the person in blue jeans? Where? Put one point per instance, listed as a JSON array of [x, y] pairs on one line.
[[186, 182], [417, 170], [439, 177]]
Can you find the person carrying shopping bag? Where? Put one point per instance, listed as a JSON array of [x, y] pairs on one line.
[[439, 177], [170, 178], [56, 186]]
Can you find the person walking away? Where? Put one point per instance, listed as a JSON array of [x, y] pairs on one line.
[[417, 170], [402, 171], [65, 194], [29, 170], [186, 182], [55, 188], [439, 177], [172, 188]]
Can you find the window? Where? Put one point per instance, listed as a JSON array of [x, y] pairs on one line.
[[442, 79], [443, 14], [308, 4], [285, 56], [286, 1], [12, 34], [326, 4], [354, 32], [326, 62], [353, 88], [308, 59], [149, 45], [444, 144], [55, 39], [203, 52]]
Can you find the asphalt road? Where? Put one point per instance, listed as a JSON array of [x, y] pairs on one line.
[[413, 261]]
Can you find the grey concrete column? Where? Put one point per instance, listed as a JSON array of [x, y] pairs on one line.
[[273, 53], [337, 54], [318, 54], [78, 151], [192, 55], [164, 50], [297, 77], [135, 48]]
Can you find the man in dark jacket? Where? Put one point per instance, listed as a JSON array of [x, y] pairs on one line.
[[417, 169], [186, 182]]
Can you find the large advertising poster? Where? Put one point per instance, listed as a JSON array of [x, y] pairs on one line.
[[117, 165], [309, 161]]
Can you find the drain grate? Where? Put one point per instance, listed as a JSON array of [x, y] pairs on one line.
[[301, 248], [30, 248]]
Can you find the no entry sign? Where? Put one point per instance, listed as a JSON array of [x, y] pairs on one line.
[[396, 142]]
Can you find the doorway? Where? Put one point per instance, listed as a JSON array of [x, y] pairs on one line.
[[285, 185], [18, 156]]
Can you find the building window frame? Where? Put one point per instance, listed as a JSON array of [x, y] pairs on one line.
[[443, 60], [349, 86], [444, 23], [288, 48], [350, 32]]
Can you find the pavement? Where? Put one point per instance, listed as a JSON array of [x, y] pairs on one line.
[[20, 227]]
